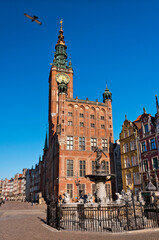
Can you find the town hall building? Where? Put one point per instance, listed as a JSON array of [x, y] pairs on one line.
[[76, 128]]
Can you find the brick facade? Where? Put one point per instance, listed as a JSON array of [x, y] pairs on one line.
[[75, 128]]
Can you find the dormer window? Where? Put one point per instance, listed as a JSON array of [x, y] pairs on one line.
[[125, 134], [146, 128]]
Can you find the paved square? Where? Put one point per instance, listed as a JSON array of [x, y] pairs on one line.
[[21, 221]]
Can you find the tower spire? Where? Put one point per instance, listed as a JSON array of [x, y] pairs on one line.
[[157, 106], [60, 57], [46, 145], [61, 36]]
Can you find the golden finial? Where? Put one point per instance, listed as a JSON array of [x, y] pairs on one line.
[[61, 22]]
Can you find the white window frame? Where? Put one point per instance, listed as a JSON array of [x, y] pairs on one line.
[[134, 162], [82, 146], [70, 123], [70, 114], [133, 145], [93, 143], [69, 143], [105, 144], [127, 183], [137, 180]]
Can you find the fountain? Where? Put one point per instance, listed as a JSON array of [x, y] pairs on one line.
[[100, 177], [103, 215]]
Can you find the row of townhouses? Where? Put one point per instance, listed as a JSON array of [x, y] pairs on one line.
[[14, 188], [139, 146]]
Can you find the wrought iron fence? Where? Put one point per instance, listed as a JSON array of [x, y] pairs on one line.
[[103, 218]]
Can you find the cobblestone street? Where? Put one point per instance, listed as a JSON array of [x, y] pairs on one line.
[[21, 221]]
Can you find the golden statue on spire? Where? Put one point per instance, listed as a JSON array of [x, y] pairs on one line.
[[61, 22], [61, 37]]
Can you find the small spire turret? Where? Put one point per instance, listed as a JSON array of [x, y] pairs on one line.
[[144, 109], [70, 63], [46, 145], [107, 95], [157, 106]]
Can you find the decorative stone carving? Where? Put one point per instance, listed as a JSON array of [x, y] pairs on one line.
[[89, 198], [66, 198], [141, 200]]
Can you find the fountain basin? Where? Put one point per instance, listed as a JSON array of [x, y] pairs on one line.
[[100, 178]]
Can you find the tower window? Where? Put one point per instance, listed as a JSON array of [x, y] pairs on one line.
[[70, 114], [69, 143], [81, 143], [103, 126], [81, 115], [92, 116], [93, 143], [102, 117], [92, 125], [69, 168], [70, 123], [81, 124], [82, 168]]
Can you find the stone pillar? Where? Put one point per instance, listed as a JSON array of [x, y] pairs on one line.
[[101, 192]]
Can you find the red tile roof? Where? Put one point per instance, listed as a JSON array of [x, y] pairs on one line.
[[138, 118]]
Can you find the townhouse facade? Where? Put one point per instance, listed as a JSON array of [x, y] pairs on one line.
[[129, 156]]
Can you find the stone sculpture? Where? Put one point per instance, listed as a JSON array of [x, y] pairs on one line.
[[66, 198], [89, 198]]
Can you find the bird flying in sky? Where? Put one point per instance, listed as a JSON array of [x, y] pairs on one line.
[[34, 18]]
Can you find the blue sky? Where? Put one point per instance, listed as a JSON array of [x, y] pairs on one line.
[[109, 41]]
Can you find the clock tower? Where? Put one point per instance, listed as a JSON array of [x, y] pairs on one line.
[[60, 84]]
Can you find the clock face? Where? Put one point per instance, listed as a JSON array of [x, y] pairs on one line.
[[62, 77]]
